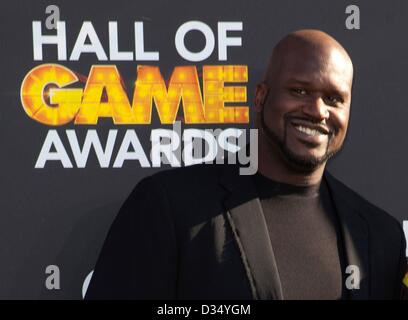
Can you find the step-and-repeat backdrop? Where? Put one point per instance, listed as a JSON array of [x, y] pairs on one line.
[[89, 89]]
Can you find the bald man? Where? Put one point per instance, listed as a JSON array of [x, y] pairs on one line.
[[291, 231]]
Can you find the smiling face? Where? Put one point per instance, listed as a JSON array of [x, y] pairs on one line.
[[304, 103]]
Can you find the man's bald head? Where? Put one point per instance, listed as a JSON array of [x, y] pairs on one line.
[[303, 104], [307, 46]]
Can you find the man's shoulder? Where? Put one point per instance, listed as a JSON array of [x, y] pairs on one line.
[[189, 176], [369, 211], [192, 180], [187, 172]]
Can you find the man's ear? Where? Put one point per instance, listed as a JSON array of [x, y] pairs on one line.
[[261, 92]]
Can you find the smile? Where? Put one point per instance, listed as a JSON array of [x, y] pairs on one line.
[[309, 131]]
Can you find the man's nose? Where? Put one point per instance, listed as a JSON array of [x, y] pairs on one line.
[[316, 108]]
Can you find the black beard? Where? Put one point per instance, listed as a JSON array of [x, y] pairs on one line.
[[299, 163]]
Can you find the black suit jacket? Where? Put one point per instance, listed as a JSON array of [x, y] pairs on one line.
[[199, 233]]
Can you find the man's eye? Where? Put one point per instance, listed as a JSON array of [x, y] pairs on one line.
[[331, 100], [299, 91]]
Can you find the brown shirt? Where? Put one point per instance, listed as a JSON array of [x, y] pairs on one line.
[[304, 233]]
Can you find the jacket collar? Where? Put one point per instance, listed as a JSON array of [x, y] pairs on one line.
[[354, 228], [245, 216]]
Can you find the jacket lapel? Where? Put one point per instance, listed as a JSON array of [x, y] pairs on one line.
[[245, 216], [354, 230]]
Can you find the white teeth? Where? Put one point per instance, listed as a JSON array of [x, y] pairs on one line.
[[308, 131]]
